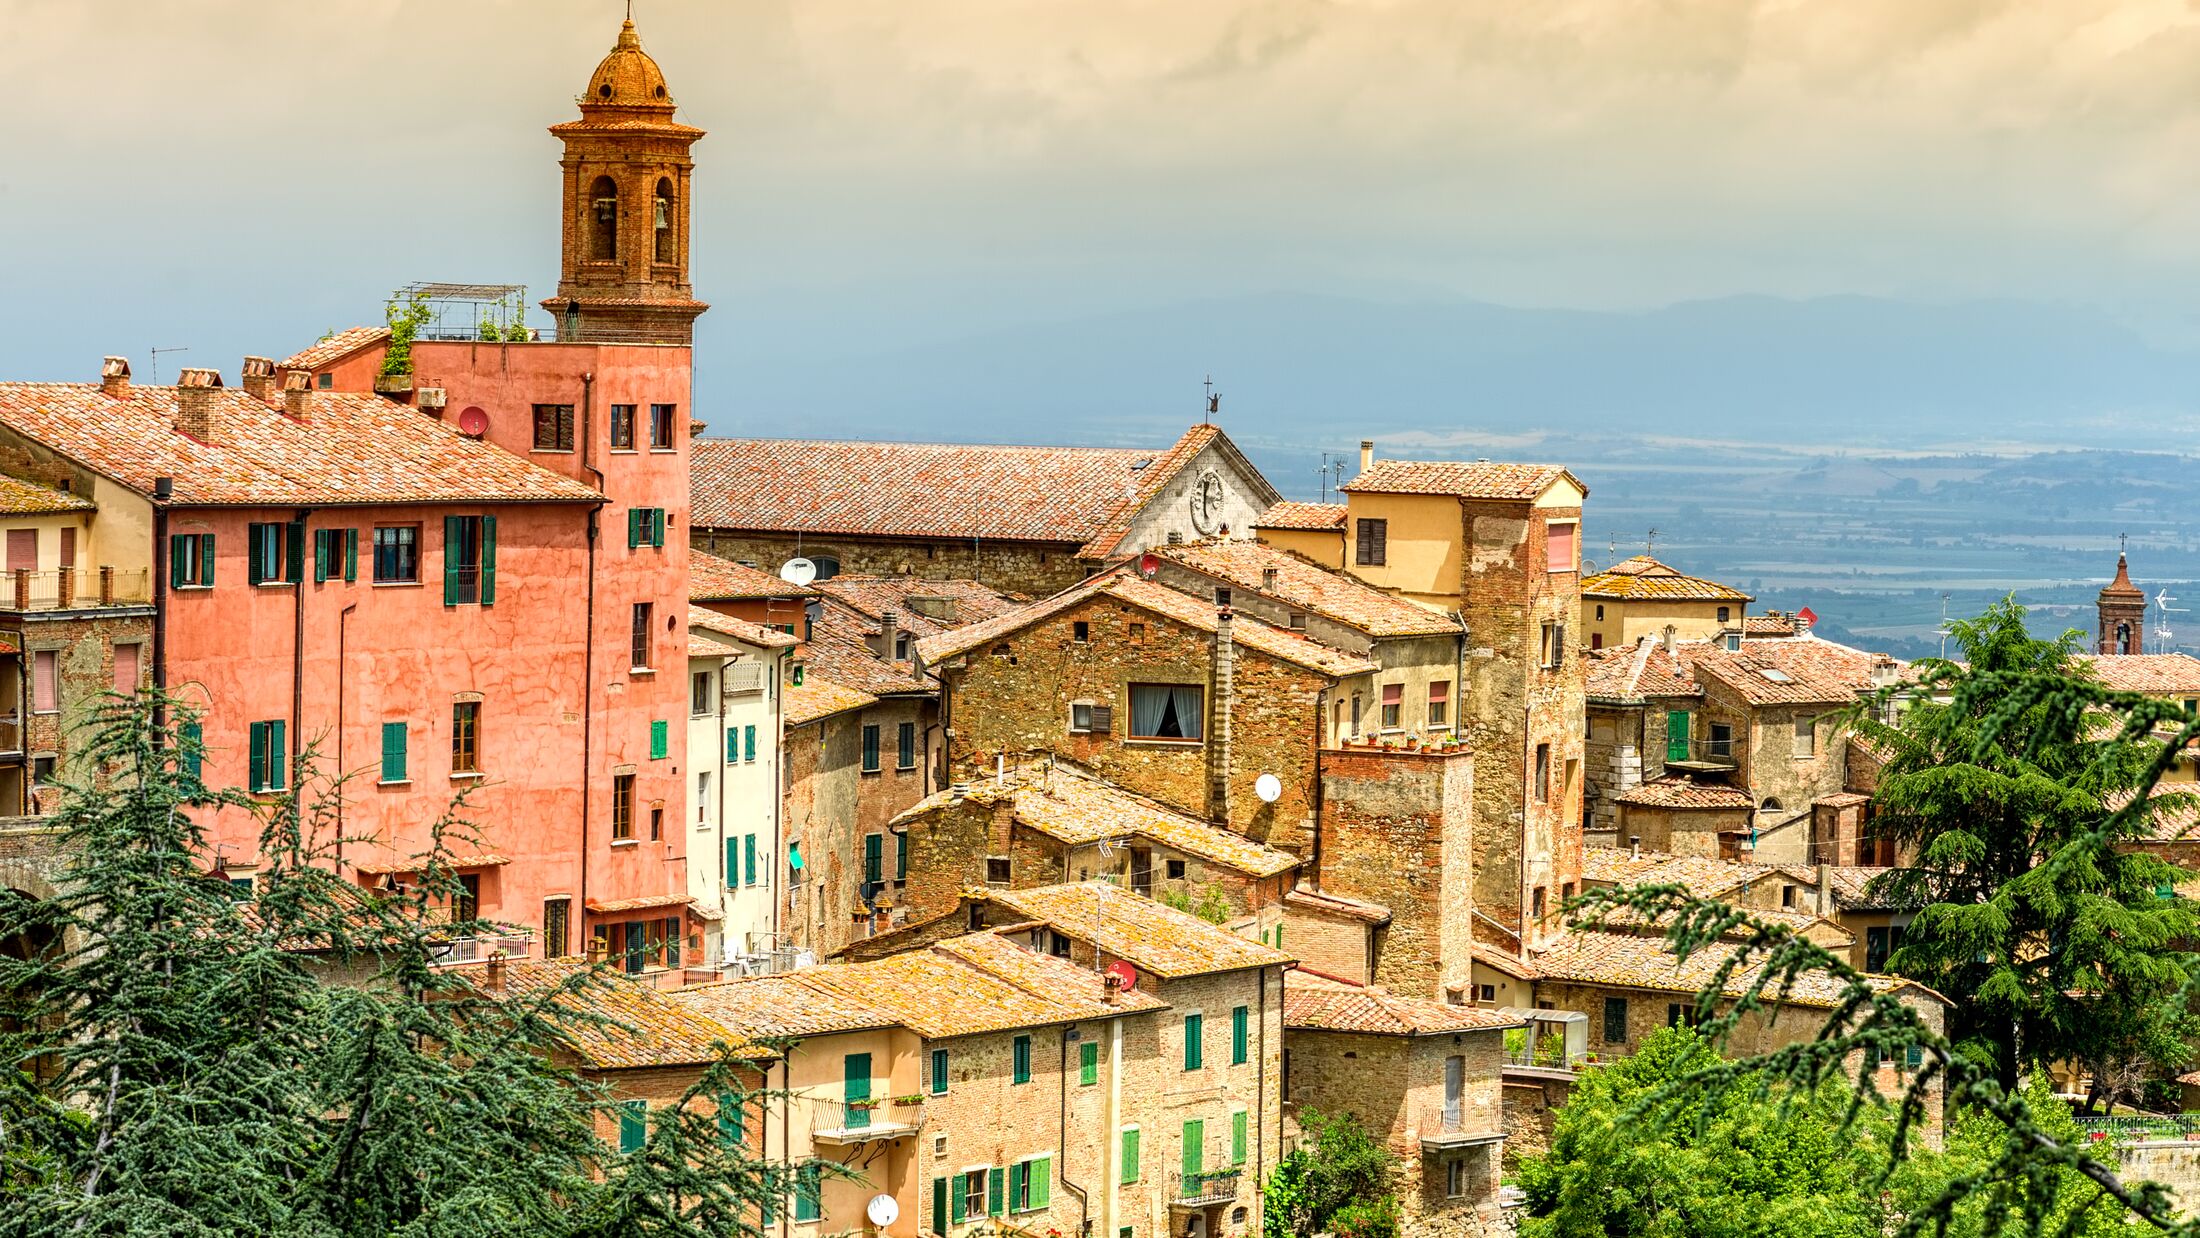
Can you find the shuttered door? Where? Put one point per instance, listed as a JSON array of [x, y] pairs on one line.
[[22, 550], [393, 752], [126, 669], [939, 1205], [488, 560], [1195, 1149], [1676, 735], [856, 1086]]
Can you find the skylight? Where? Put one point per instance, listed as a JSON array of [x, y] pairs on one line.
[[1776, 675]]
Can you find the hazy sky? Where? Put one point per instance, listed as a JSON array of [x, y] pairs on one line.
[[238, 175]]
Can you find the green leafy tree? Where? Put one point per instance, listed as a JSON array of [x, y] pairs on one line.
[[1339, 1180], [2041, 921], [177, 1068], [405, 316]]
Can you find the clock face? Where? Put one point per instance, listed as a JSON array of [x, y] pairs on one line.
[[1207, 502]]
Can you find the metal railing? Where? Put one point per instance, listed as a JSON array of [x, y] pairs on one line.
[[475, 949], [69, 589], [765, 962], [852, 1121], [1703, 750], [1217, 1186], [2131, 1127]]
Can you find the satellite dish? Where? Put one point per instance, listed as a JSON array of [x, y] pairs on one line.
[[1148, 565], [798, 571], [1269, 788], [472, 422], [882, 1210], [1124, 972]]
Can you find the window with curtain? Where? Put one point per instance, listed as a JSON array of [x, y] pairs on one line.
[[1167, 711]]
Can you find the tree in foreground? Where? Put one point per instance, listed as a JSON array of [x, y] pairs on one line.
[[1340, 1180], [176, 1069]]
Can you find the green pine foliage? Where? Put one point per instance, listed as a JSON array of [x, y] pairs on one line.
[[179, 1067], [1340, 1180]]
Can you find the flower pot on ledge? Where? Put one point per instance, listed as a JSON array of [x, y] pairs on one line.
[[392, 384]]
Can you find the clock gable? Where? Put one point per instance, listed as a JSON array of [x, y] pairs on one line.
[[1216, 493]]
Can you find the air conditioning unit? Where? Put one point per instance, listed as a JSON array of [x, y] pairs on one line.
[[430, 398]]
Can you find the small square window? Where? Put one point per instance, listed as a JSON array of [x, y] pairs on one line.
[[553, 427], [1080, 717], [1298, 621], [1080, 631], [996, 870], [1175, 870], [622, 427], [1485, 992], [324, 381]]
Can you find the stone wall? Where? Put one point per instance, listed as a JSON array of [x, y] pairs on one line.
[[84, 644], [832, 804], [1034, 569], [1396, 830]]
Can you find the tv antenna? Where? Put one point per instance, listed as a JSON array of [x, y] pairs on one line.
[[2163, 609], [154, 364], [1943, 626], [1650, 541]]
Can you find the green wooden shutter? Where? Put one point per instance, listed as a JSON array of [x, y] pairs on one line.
[[1019, 1180], [807, 1181], [1237, 1138], [1195, 1147], [1130, 1155], [633, 1125], [660, 738], [855, 1082], [320, 556], [939, 1072], [206, 559], [393, 752], [633, 527], [1088, 1063], [748, 861], [278, 756], [351, 555], [901, 856], [732, 1122], [939, 1205], [1039, 1182], [488, 560], [733, 744], [1195, 1053], [256, 778], [1239, 1017], [874, 858], [748, 743], [955, 1199], [657, 527], [733, 860], [193, 760], [450, 560], [294, 545], [1022, 1063], [996, 1183], [179, 555], [1676, 735]]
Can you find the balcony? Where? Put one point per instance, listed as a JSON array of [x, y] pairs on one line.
[[1704, 755], [69, 589], [847, 1123], [1202, 1190], [476, 949], [1445, 1127]]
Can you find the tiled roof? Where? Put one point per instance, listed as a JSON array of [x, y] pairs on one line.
[[335, 348], [1157, 599], [837, 648], [1291, 515], [1078, 809], [1684, 792], [1843, 799], [2155, 674], [1804, 671], [1635, 961], [353, 448], [1312, 1004], [1332, 595], [1469, 480], [712, 579], [739, 629], [818, 697], [1643, 577], [1320, 903], [1702, 876], [414, 864], [1628, 673], [928, 490], [23, 498], [647, 1026], [1771, 623], [1155, 938], [1853, 890], [646, 903], [1802, 923], [951, 603], [780, 1006]]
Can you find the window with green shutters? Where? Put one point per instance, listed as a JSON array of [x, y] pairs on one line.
[[633, 1125], [870, 749], [192, 759], [1022, 1052], [1088, 1063], [748, 860], [1031, 1184], [335, 554], [1676, 735], [645, 526], [275, 553], [733, 860], [996, 1183], [268, 760], [393, 752], [905, 746], [1195, 1147], [808, 1178], [660, 740], [939, 1072], [1195, 1054], [855, 1075], [469, 560], [963, 1197], [1130, 1155], [1240, 1019], [901, 856], [733, 744], [939, 1205], [1237, 1137], [191, 561], [874, 858], [732, 1123], [748, 743]]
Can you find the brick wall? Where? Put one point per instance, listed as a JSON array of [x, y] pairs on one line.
[[84, 644], [831, 804], [1394, 1086], [1334, 945], [1397, 830], [1034, 569]]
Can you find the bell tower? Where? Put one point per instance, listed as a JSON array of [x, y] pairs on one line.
[[623, 277], [2123, 613]]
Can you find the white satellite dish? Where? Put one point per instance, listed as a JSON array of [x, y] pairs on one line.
[[882, 1210], [798, 571], [1269, 788]]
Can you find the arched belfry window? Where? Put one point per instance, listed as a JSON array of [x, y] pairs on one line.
[[663, 217], [2123, 638], [601, 219]]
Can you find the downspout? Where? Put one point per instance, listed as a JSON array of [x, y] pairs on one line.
[[1527, 804], [1260, 1099], [774, 887], [1061, 1142], [343, 618], [786, 1133], [1321, 716], [298, 648], [588, 648], [163, 488], [1112, 1138], [728, 880]]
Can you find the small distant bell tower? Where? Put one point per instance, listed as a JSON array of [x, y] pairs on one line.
[[624, 274], [2123, 613]]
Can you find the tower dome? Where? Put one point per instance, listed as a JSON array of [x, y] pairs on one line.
[[2123, 611], [627, 77]]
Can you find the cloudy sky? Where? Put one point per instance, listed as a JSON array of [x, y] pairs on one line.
[[239, 175]]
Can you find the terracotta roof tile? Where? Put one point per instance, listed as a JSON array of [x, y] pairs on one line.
[[1629, 673], [1157, 599], [1803, 671], [780, 1006], [1313, 1004], [1320, 902], [352, 449], [739, 629], [921, 607], [1702, 876], [1635, 961], [1685, 792], [1770, 624], [336, 347], [23, 498], [712, 579], [818, 697], [1292, 515], [2155, 674], [1855, 889], [1150, 482], [1644, 578], [930, 490], [1332, 595], [1155, 938], [837, 647], [1470, 480], [644, 903], [1077, 808], [648, 1027]]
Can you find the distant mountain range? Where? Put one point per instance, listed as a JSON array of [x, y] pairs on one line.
[[1299, 370]]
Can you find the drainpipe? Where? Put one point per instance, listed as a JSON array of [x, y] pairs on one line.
[[1260, 1099], [588, 646], [1112, 1142], [1321, 717], [298, 647], [343, 619], [164, 488], [774, 887], [1061, 1143], [727, 879]]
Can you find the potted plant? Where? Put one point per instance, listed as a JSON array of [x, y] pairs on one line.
[[914, 1098]]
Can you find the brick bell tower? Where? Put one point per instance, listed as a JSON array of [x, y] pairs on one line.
[[624, 274], [2123, 613]]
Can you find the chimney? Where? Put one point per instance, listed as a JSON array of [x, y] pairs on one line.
[[1367, 454], [1218, 742], [1825, 890], [1668, 638], [889, 625], [1634, 846], [114, 377], [258, 378], [1268, 580], [195, 403], [298, 394], [1111, 988], [492, 975]]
